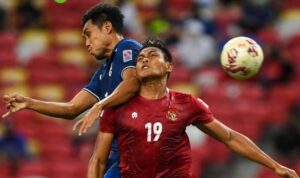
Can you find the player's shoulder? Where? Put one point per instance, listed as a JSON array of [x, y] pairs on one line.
[[129, 43], [181, 97]]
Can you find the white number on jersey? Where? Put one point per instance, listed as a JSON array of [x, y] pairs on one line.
[[156, 128]]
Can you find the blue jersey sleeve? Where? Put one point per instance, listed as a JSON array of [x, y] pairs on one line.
[[128, 54], [93, 87]]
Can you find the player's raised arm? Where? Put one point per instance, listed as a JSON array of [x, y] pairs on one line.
[[245, 147], [67, 110], [99, 158], [125, 90]]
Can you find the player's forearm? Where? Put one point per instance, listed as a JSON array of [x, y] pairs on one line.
[[126, 90], [54, 109], [93, 169], [101, 170], [246, 148]]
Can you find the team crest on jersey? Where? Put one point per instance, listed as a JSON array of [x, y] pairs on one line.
[[172, 114], [127, 55]]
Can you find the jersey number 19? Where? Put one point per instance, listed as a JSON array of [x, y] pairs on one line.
[[155, 128]]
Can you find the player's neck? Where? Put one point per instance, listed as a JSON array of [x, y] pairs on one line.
[[116, 38], [153, 89]]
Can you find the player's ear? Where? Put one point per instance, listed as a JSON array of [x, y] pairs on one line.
[[107, 27], [169, 67]]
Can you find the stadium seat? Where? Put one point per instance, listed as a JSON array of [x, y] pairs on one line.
[[55, 149], [8, 41], [49, 92], [268, 36], [73, 75], [44, 75], [7, 59], [277, 113], [218, 154], [55, 129], [68, 38], [180, 74], [208, 77], [43, 60], [286, 95], [32, 169], [20, 88], [74, 56], [64, 168], [186, 87], [13, 75]]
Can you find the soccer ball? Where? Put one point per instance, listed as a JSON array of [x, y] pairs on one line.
[[241, 57]]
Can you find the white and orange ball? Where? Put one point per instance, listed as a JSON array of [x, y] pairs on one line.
[[242, 57]]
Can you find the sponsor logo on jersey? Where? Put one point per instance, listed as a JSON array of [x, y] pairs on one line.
[[127, 55], [172, 114], [134, 115]]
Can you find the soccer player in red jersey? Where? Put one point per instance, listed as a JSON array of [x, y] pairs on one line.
[[150, 128]]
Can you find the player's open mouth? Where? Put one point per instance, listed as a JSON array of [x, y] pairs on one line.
[[145, 67]]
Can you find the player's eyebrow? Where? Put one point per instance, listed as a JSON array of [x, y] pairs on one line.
[[152, 50], [149, 52], [85, 31]]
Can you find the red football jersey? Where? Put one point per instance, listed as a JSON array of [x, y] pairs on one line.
[[151, 134]]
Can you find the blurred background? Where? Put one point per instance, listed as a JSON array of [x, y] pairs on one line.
[[42, 55]]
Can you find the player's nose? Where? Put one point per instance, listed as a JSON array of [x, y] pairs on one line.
[[87, 43], [145, 60]]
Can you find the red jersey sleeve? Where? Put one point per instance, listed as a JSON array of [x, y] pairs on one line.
[[107, 121], [201, 113]]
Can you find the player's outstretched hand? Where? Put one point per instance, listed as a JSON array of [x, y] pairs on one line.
[[286, 172], [14, 102], [87, 121]]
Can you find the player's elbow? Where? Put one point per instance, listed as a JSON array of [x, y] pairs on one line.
[[72, 112], [228, 137]]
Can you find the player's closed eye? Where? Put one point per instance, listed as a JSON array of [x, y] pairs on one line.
[[140, 58]]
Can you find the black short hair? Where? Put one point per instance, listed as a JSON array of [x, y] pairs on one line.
[[105, 12], [154, 42]]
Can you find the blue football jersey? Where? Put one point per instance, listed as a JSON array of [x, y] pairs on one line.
[[109, 75], [104, 82]]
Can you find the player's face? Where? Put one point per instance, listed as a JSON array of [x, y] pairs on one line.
[[151, 64], [96, 40]]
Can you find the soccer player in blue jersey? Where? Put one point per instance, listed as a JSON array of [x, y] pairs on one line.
[[112, 84]]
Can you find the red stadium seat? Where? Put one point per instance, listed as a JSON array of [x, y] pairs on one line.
[[55, 149], [43, 60], [8, 41], [277, 113], [32, 169], [180, 74], [72, 168], [218, 153], [286, 95], [44, 75], [268, 36], [8, 59], [72, 75], [53, 129]]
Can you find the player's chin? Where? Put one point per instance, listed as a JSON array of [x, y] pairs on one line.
[[99, 57], [149, 76]]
